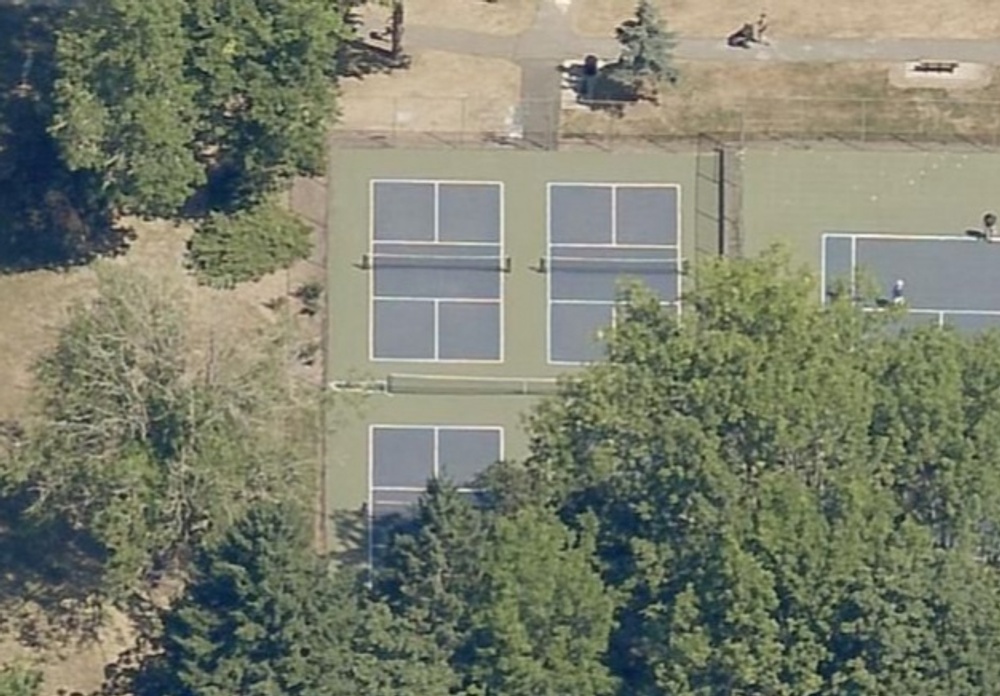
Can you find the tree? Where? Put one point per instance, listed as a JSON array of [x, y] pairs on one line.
[[542, 617], [789, 498], [124, 107], [263, 615], [149, 452], [646, 60], [263, 73], [430, 569], [235, 93]]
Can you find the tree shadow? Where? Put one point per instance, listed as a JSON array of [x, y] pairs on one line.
[[350, 537], [50, 585], [368, 54], [596, 86], [52, 217], [360, 58]]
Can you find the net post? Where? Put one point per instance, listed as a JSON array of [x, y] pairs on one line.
[[366, 262], [543, 266], [505, 265]]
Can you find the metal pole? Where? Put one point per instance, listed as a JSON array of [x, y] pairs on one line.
[[721, 154]]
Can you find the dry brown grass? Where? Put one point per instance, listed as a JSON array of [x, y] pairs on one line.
[[504, 17], [848, 98], [78, 665], [960, 19], [441, 92]]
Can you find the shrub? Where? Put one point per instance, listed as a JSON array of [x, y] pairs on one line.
[[230, 249]]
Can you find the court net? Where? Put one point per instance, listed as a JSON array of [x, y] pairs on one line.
[[622, 266], [437, 262], [452, 385]]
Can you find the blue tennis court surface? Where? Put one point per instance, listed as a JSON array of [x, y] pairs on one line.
[[437, 265], [948, 279], [598, 236], [402, 459]]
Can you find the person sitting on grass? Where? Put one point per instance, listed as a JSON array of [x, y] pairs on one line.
[[741, 38]]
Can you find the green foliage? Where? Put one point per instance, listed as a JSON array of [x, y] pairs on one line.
[[265, 95], [124, 108], [19, 681], [792, 498], [542, 617], [263, 615], [512, 602], [646, 60], [148, 452], [195, 91], [247, 245]]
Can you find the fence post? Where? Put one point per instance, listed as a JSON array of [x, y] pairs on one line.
[[395, 119], [463, 123], [864, 120]]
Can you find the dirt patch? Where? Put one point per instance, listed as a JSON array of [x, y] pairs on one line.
[[469, 94], [851, 99], [504, 17], [76, 666], [961, 19]]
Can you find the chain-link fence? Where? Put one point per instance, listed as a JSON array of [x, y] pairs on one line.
[[473, 121]]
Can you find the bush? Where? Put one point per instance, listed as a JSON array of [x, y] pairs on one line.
[[310, 294], [230, 249]]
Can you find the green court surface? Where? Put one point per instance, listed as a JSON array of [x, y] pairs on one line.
[[524, 178], [792, 197]]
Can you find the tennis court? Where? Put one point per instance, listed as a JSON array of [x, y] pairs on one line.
[[598, 236], [403, 458], [949, 279], [437, 271]]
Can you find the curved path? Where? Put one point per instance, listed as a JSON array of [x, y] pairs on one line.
[[551, 40]]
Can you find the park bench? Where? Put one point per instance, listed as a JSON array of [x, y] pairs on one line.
[[936, 66]]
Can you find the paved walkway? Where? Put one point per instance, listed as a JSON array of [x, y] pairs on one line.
[[564, 46], [551, 40]]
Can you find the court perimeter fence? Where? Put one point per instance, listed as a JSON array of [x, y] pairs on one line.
[[862, 123]]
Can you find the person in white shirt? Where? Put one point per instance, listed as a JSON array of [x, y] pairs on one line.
[[896, 294]]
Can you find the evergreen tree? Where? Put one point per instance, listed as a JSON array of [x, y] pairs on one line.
[[256, 618], [646, 60]]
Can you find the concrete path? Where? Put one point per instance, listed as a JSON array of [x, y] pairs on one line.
[[552, 38], [533, 44]]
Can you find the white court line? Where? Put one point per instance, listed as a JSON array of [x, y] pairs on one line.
[[431, 242], [417, 298], [953, 312], [854, 266], [901, 237], [436, 187], [650, 247], [550, 247], [436, 430], [436, 328], [822, 270]]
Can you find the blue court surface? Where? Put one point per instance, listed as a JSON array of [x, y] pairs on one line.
[[598, 236], [437, 265], [949, 280], [403, 458]]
